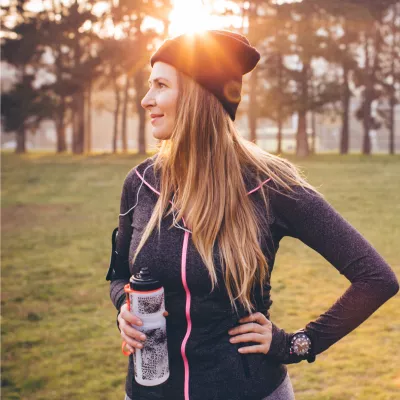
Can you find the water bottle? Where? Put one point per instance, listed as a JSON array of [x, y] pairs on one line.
[[145, 299]]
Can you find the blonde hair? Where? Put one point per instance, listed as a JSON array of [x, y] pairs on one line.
[[202, 163]]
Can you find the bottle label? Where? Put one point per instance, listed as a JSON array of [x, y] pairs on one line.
[[150, 304], [154, 355]]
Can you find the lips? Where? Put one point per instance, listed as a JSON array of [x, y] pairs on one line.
[[155, 117]]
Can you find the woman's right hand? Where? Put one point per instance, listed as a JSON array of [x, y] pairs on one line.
[[132, 337]]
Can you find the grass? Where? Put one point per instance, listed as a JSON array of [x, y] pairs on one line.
[[59, 338]]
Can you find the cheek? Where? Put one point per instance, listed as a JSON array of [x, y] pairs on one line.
[[167, 102]]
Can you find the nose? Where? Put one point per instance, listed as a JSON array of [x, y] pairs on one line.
[[148, 100]]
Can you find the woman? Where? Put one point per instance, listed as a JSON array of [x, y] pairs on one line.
[[206, 215]]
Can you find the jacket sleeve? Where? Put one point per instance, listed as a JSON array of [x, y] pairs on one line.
[[123, 240], [311, 219]]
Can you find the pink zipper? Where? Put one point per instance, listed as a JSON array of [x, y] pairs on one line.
[[187, 291], [187, 311]]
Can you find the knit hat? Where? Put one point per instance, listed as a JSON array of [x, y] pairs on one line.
[[216, 59]]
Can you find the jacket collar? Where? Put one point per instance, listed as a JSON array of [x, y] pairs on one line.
[[152, 178]]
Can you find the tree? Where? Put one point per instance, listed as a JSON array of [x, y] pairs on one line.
[[275, 99], [58, 32], [369, 77], [257, 25], [131, 67], [77, 63], [24, 54], [391, 72], [308, 43], [23, 108], [344, 28]]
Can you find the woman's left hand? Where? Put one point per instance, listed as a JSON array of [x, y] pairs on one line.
[[256, 328]]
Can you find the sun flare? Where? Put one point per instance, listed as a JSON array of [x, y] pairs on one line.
[[194, 16], [188, 16]]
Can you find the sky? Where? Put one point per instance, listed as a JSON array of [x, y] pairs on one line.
[[186, 16]]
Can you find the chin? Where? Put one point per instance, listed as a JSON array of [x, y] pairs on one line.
[[160, 135]]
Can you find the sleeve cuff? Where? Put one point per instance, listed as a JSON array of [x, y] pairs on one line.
[[280, 347], [119, 311], [280, 343]]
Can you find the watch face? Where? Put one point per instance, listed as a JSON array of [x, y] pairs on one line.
[[301, 344]]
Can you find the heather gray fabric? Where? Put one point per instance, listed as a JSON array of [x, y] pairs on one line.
[[216, 370], [283, 392]]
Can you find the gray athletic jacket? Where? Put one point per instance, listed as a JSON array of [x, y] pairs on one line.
[[204, 365]]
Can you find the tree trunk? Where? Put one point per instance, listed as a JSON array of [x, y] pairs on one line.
[[366, 110], [88, 135], [74, 125], [79, 103], [80, 123], [61, 142], [62, 109], [125, 115], [395, 76], [139, 81], [20, 136], [279, 138], [142, 132], [314, 135], [344, 137], [252, 112], [392, 123], [60, 127], [369, 87], [116, 116], [302, 149], [280, 111], [140, 91], [253, 106], [302, 142], [366, 146]]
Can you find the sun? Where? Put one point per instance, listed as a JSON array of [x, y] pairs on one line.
[[188, 16], [194, 16]]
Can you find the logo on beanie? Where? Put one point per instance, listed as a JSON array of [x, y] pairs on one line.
[[232, 91]]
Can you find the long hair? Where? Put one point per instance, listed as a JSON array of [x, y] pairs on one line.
[[202, 163]]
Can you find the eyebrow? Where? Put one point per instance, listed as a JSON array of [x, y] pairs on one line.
[[158, 80]]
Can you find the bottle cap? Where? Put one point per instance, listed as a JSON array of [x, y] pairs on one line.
[[143, 282]]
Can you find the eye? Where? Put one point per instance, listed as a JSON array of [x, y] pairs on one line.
[[158, 84]]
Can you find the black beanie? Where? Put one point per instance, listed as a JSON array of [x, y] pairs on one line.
[[216, 59]]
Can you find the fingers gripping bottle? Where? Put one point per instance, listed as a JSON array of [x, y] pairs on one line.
[[145, 299]]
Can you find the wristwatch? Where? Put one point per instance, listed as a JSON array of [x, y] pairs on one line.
[[301, 345]]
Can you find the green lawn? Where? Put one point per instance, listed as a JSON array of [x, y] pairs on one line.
[[59, 338]]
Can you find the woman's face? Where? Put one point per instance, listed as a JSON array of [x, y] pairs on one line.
[[161, 99]]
